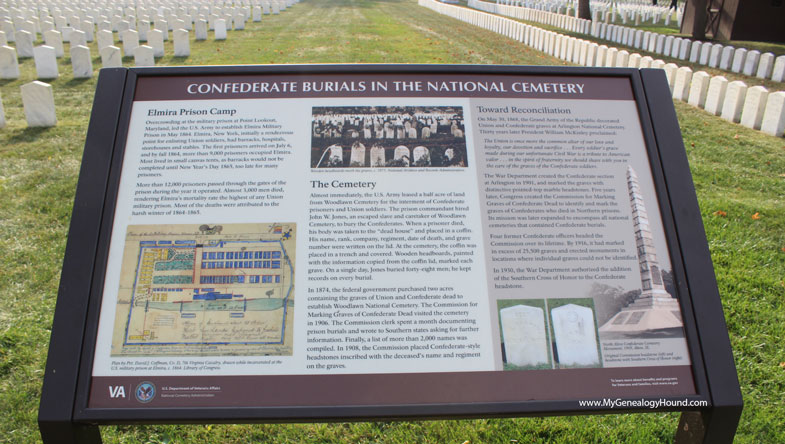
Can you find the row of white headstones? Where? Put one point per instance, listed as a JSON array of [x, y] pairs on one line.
[[38, 97], [753, 107], [713, 55], [607, 11]]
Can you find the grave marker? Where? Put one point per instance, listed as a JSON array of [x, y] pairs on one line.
[[774, 115], [24, 44], [715, 96], [81, 62], [575, 336], [39, 104], [9, 65], [182, 47], [754, 105], [111, 57], [699, 89], [735, 94], [144, 55], [524, 333], [45, 62]]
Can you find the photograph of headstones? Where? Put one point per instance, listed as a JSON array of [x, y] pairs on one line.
[[652, 311], [388, 137], [574, 332], [525, 337]]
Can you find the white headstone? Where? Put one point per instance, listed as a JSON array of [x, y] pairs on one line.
[[257, 14], [646, 62], [715, 96], [9, 65], [751, 63], [182, 47], [705, 53], [422, 156], [739, 57], [754, 105], [681, 87], [105, 38], [24, 44], [684, 49], [8, 28], [220, 29], [155, 39], [622, 59], [695, 51], [78, 38], [55, 40], [699, 87], [239, 22], [714, 57], [144, 56], [668, 46], [635, 61], [377, 156], [774, 115], [575, 335], [670, 74], [111, 57], [525, 338], [765, 66], [130, 42], [357, 158], [89, 30], [402, 156], [778, 73], [602, 51], [39, 104], [143, 28], [45, 62], [201, 29], [660, 44], [335, 158], [735, 94], [81, 62], [726, 58]]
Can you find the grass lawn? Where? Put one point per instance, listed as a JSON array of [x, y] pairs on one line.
[[739, 175]]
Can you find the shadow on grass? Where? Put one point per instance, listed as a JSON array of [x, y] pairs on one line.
[[5, 82], [28, 134], [76, 82]]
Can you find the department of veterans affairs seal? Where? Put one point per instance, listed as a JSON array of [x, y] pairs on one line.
[[145, 392]]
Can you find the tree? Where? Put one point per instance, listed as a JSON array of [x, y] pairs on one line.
[[584, 11]]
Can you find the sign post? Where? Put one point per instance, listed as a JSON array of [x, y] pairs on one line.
[[306, 243]]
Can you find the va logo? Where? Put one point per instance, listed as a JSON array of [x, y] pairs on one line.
[[116, 391], [145, 392]]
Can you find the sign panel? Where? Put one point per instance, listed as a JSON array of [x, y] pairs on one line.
[[334, 239]]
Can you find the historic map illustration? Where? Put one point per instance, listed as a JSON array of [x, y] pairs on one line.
[[206, 290]]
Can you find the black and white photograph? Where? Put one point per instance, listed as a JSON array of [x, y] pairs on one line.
[[388, 137]]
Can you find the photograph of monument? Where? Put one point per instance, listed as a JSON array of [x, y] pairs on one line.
[[655, 311], [388, 137]]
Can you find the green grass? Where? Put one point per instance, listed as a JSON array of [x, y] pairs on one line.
[[738, 174]]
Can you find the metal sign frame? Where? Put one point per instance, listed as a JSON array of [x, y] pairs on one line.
[[65, 417]]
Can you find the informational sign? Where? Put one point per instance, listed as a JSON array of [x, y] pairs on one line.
[[325, 237]]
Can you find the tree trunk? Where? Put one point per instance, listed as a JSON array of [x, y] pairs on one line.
[[584, 11], [694, 22]]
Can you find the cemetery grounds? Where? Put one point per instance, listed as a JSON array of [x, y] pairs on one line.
[[739, 176]]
